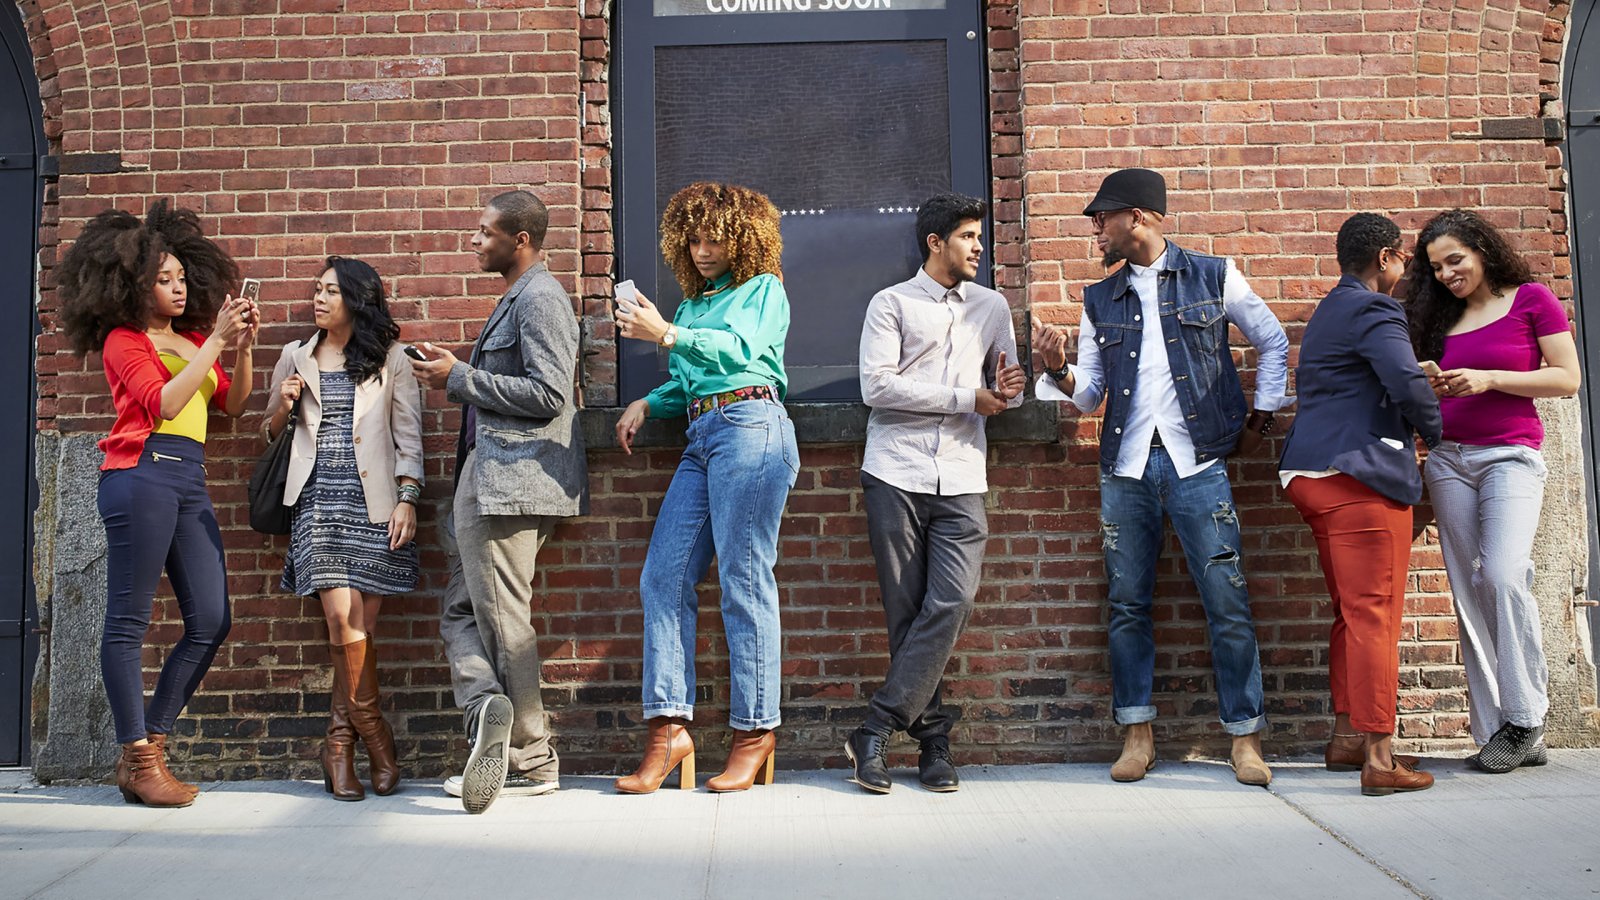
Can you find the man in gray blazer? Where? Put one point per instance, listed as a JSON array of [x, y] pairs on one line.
[[520, 469]]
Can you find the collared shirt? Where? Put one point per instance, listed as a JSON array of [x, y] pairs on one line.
[[925, 351], [1155, 403], [729, 336]]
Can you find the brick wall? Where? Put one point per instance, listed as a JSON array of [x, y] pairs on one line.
[[300, 129]]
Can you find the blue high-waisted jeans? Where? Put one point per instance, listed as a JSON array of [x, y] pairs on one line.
[[727, 498], [1202, 512], [158, 515]]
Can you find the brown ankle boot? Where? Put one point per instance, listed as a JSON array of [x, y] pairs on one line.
[[339, 748], [143, 778], [1138, 754], [362, 666], [750, 761], [668, 746], [160, 740]]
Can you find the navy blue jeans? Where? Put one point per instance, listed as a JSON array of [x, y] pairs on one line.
[[1202, 513], [158, 516]]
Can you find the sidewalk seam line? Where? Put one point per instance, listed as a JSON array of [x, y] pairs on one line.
[[1351, 846]]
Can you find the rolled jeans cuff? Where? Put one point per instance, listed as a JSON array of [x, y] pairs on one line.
[[1134, 715], [669, 710], [1248, 726], [767, 724]]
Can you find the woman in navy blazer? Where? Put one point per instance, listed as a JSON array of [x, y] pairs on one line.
[[1350, 467]]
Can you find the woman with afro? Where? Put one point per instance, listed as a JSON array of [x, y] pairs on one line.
[[725, 358], [153, 298]]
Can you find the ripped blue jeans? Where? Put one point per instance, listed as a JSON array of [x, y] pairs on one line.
[[1202, 513]]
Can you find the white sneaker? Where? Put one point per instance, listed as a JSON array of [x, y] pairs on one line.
[[485, 772], [516, 785]]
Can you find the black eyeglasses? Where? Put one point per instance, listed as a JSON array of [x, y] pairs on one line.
[[1099, 218]]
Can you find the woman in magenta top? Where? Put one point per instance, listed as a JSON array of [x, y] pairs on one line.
[[144, 295], [1500, 340]]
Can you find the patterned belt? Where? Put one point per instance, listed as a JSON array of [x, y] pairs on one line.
[[699, 406]]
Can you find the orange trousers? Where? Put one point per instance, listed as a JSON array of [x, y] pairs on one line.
[[1364, 543]]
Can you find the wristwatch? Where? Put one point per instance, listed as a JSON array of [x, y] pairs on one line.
[[1061, 373], [670, 338], [1261, 420]]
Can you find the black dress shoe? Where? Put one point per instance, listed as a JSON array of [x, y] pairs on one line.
[[935, 768], [869, 752]]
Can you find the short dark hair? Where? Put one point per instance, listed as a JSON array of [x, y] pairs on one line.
[[521, 211], [942, 214], [1361, 238]]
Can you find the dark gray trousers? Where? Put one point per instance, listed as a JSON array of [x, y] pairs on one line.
[[929, 552]]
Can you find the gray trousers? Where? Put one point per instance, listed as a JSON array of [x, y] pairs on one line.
[[929, 552], [487, 621], [1487, 500]]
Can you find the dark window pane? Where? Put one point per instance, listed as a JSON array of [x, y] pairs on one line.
[[847, 139]]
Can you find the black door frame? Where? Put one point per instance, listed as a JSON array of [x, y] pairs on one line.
[[1583, 182], [22, 157], [634, 131]]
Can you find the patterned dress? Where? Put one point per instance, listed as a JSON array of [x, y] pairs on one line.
[[332, 544]]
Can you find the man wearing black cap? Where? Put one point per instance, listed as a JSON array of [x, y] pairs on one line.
[[1174, 410]]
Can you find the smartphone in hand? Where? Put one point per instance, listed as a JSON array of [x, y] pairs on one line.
[[250, 292], [1430, 368], [415, 354], [627, 295]]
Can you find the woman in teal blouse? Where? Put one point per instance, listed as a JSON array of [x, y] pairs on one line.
[[725, 345]]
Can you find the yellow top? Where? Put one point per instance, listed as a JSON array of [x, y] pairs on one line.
[[191, 422]]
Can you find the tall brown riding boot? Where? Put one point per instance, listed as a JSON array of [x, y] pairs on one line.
[[143, 778], [339, 749], [668, 746], [160, 740], [367, 718], [750, 761]]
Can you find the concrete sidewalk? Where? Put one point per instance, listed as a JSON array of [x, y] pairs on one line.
[[1188, 830]]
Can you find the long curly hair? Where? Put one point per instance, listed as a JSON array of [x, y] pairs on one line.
[[744, 221], [372, 329], [108, 276], [1430, 307]]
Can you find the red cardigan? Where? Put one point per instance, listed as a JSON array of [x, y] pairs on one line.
[[137, 375]]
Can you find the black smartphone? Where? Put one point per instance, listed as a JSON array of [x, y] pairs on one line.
[[416, 354]]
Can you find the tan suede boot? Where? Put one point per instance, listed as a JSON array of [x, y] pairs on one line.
[[1138, 754], [1248, 766]]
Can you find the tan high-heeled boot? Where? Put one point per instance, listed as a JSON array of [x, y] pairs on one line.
[[751, 760], [143, 778], [668, 746], [362, 667], [160, 740], [339, 747]]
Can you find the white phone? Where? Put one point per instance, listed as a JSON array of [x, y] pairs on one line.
[[627, 295], [1430, 368]]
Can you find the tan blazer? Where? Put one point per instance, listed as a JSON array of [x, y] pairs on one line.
[[387, 427]]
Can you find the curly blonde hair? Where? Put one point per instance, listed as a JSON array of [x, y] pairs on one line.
[[744, 221]]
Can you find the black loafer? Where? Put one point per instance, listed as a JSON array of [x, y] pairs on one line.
[[935, 769], [869, 753]]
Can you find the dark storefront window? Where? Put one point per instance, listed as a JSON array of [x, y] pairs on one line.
[[847, 115]]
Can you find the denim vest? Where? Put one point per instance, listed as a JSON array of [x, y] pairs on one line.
[[1195, 325]]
